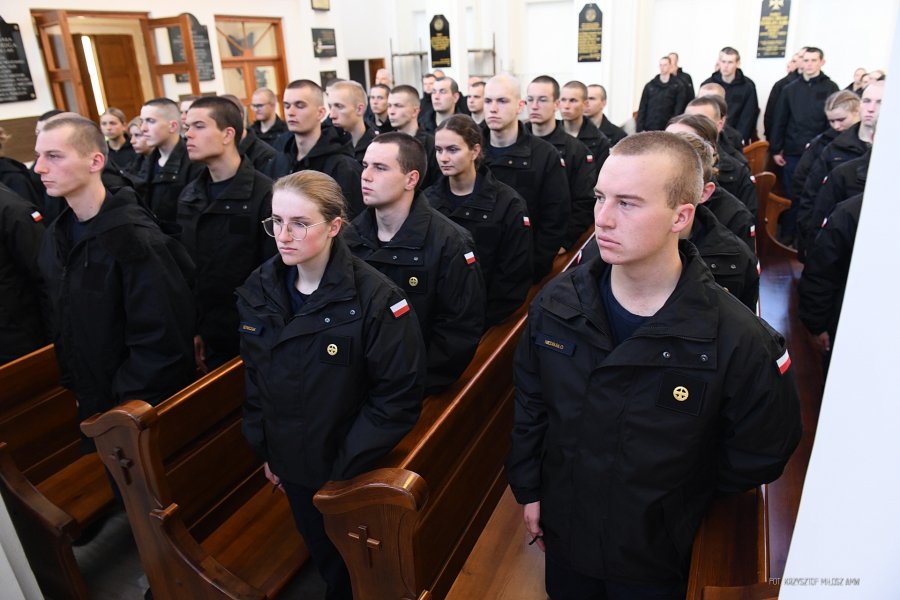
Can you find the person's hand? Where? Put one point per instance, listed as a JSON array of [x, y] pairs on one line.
[[823, 340], [274, 479], [533, 524], [200, 354], [779, 159]]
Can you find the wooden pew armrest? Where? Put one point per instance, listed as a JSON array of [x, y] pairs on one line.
[[29, 498], [388, 486]]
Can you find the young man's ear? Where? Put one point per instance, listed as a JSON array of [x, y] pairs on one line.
[[684, 216], [98, 161], [412, 180], [708, 189]]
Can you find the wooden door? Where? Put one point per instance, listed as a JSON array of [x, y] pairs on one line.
[[61, 60], [157, 67], [119, 73], [374, 65]]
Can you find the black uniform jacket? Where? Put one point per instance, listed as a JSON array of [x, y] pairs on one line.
[[613, 132], [581, 171], [735, 177], [824, 277], [808, 158], [732, 213], [332, 388], [17, 177], [123, 307], [433, 261], [225, 238], [160, 194], [800, 115], [625, 446], [660, 102], [772, 102], [24, 307], [123, 157], [277, 129], [596, 141], [743, 104], [359, 150], [332, 155], [259, 152], [535, 170], [845, 181], [497, 218]]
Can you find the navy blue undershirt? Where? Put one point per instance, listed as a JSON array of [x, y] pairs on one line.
[[297, 299], [622, 322]]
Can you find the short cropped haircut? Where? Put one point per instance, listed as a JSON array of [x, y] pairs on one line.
[[476, 84], [601, 88], [354, 89], [224, 113], [686, 186], [667, 59], [814, 50], [466, 128], [237, 102], [49, 113], [117, 113], [411, 93], [714, 101], [730, 52], [706, 152], [701, 124], [712, 88], [85, 136], [428, 76], [844, 99], [318, 188], [454, 87], [553, 83], [306, 84], [269, 94], [167, 107], [381, 86], [577, 85], [410, 152]]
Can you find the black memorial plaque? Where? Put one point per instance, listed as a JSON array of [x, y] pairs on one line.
[[590, 34], [324, 44], [440, 42], [774, 19], [16, 84], [202, 52]]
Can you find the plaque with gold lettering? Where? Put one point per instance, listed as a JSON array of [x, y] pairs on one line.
[[773, 28], [440, 42], [590, 34], [16, 84]]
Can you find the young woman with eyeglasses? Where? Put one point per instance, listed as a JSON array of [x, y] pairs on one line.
[[334, 359]]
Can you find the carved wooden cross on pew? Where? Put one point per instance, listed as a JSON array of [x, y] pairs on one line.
[[368, 544]]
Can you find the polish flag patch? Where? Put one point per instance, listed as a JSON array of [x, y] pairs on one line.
[[526, 221], [562, 161], [758, 268], [470, 257], [824, 222], [753, 231], [590, 158], [400, 309], [783, 363], [753, 179], [37, 217]]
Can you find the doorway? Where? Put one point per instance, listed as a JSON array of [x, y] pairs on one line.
[[110, 62]]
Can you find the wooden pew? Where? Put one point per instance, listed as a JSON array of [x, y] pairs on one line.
[[206, 522], [51, 489], [406, 529]]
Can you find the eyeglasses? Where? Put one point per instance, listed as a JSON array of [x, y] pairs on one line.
[[297, 231], [259, 106]]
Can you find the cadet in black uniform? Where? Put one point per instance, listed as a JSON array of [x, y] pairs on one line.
[[572, 103], [123, 311], [218, 213], [334, 360], [314, 145], [530, 166], [491, 211], [115, 128], [403, 112], [429, 256], [642, 390], [268, 126]]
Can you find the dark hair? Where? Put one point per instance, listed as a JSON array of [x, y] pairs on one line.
[[731, 52], [815, 50], [709, 100], [454, 87], [466, 128], [166, 106], [411, 92], [386, 89], [224, 113], [602, 89], [307, 84], [551, 81], [577, 85], [411, 154], [701, 124], [48, 114], [477, 84]]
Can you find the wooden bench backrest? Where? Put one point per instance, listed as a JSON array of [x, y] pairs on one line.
[[38, 417]]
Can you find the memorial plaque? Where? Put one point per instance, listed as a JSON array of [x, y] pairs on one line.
[[590, 33], [440, 42], [327, 76], [773, 28], [15, 77], [324, 45], [202, 52]]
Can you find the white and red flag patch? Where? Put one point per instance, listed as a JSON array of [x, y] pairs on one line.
[[562, 161], [37, 216], [526, 221], [470, 257], [590, 158], [400, 309], [783, 363], [753, 231]]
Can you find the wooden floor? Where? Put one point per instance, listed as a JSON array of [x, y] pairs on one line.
[[502, 565]]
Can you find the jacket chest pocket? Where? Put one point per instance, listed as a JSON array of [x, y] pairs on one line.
[[239, 220], [681, 393], [414, 281], [335, 349], [727, 273]]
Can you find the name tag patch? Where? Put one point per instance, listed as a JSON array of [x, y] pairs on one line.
[[250, 329], [556, 344], [681, 393]]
